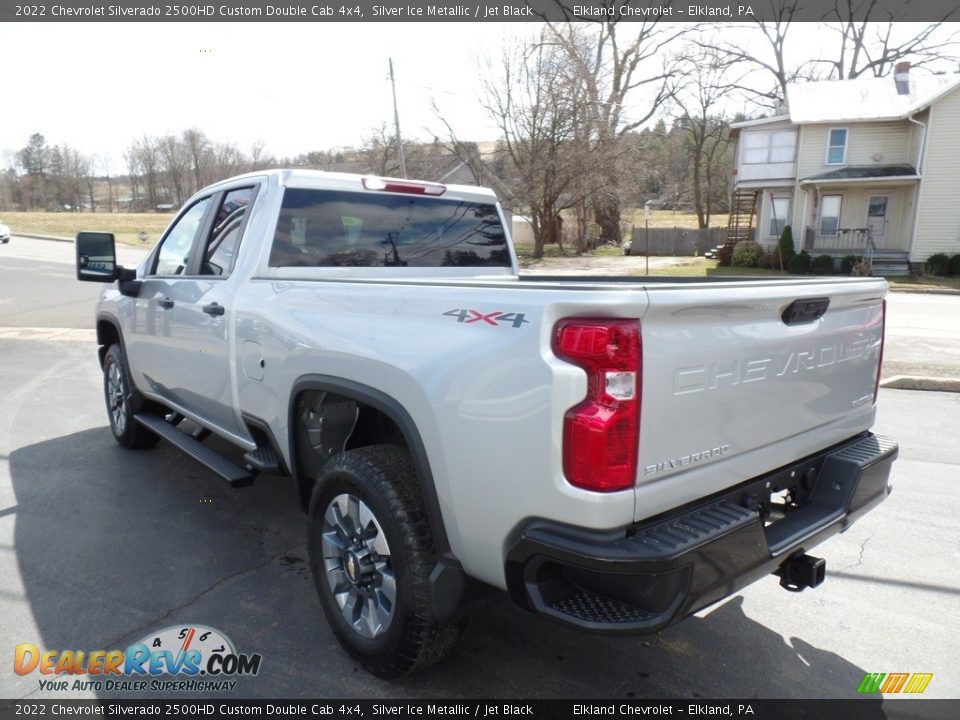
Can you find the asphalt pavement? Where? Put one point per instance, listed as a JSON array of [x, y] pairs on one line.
[[100, 546]]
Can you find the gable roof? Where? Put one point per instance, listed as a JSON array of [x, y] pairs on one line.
[[865, 98]]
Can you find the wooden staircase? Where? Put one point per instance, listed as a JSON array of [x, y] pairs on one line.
[[743, 205]]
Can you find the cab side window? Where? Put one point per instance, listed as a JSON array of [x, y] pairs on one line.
[[174, 255], [224, 241]]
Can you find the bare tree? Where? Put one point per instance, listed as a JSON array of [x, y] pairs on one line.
[[611, 70], [766, 55], [870, 41], [175, 161], [533, 100], [866, 39], [705, 81], [198, 151]]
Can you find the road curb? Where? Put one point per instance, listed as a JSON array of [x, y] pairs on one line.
[[912, 382]]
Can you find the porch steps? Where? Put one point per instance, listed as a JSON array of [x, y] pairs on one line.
[[891, 263]]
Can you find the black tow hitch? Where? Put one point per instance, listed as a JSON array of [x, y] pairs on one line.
[[802, 571]]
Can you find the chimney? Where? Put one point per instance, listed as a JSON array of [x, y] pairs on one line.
[[901, 76]]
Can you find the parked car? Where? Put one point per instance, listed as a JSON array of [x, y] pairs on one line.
[[4, 234], [615, 453]]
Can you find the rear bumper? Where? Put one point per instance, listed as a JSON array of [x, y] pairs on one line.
[[644, 577]]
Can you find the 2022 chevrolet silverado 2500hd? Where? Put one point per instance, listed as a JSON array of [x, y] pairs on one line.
[[615, 453]]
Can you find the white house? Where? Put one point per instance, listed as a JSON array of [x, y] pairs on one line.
[[865, 166]]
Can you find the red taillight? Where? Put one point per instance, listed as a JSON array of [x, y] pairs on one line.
[[883, 335], [601, 434], [403, 186]]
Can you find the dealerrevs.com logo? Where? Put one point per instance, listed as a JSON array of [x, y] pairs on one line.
[[200, 658]]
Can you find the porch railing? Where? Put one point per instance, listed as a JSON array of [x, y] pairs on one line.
[[849, 241]]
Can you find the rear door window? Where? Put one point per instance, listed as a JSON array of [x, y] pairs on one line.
[[323, 228], [224, 241]]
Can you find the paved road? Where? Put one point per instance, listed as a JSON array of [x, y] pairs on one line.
[[38, 285], [99, 546], [923, 335]]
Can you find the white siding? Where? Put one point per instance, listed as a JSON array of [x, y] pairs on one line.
[[853, 212], [938, 213], [763, 218], [890, 142]]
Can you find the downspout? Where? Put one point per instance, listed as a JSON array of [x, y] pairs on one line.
[[916, 196]]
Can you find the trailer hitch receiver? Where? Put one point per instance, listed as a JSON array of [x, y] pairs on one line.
[[802, 571]]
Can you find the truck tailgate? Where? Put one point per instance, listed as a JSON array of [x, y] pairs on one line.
[[728, 379]]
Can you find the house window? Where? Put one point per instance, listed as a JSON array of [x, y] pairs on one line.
[[830, 214], [837, 146], [779, 210], [773, 146]]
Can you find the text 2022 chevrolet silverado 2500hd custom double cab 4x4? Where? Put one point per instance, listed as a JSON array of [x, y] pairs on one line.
[[614, 453]]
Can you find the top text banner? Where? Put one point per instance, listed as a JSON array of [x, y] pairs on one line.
[[485, 11]]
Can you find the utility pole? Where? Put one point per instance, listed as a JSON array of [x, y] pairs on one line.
[[396, 122]]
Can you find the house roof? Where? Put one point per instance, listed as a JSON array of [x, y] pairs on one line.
[[865, 98], [866, 172], [759, 121]]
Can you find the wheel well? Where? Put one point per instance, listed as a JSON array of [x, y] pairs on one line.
[[328, 423], [354, 415], [107, 335]]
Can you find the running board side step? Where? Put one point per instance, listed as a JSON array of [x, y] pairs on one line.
[[212, 460], [263, 459]]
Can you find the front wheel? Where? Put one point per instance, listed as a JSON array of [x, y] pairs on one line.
[[116, 392], [371, 553]]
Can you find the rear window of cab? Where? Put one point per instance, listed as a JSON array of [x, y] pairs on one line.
[[332, 228]]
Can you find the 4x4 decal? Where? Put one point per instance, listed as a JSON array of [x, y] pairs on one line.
[[490, 318]]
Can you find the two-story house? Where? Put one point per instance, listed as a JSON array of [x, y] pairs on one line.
[[857, 167]]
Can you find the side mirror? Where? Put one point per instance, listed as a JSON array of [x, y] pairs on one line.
[[96, 257]]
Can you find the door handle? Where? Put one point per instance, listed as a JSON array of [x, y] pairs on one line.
[[214, 309], [165, 302]]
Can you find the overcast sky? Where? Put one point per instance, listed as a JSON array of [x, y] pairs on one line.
[[298, 87], [295, 86]]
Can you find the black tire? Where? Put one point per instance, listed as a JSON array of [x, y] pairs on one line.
[[381, 478], [117, 390]]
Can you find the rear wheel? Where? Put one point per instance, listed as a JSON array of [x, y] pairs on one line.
[[117, 392], [371, 553]]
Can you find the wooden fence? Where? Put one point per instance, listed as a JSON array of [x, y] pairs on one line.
[[675, 241]]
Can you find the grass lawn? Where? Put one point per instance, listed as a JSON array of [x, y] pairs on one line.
[[925, 284], [125, 226], [525, 251], [708, 268], [670, 219]]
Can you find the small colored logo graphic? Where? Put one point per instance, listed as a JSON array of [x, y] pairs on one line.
[[187, 651], [891, 683]]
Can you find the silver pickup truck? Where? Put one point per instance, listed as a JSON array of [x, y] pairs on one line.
[[615, 453]]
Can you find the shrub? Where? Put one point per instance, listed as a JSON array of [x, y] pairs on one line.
[[724, 255], [785, 248], [847, 264], [822, 265], [955, 264], [938, 264], [770, 261], [860, 269], [747, 253], [800, 263]]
